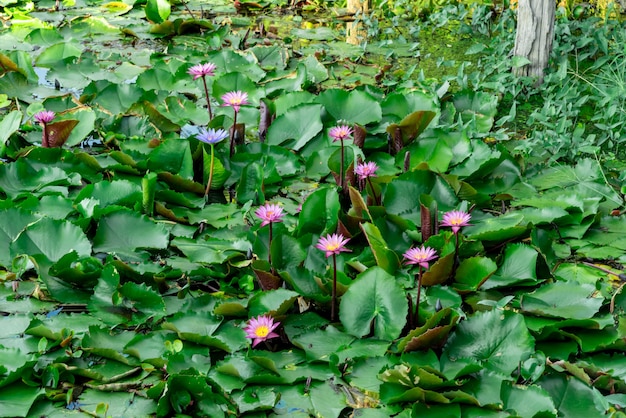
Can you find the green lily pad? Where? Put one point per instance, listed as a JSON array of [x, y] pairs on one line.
[[374, 302], [496, 340], [570, 300]]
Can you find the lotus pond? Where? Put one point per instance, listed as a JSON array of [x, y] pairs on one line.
[[222, 209]]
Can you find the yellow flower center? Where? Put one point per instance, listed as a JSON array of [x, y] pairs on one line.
[[262, 331], [332, 247], [269, 213]]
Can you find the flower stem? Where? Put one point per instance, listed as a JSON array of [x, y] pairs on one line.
[[208, 100], [455, 264], [369, 180], [232, 136], [269, 247], [341, 168], [419, 293], [44, 137], [333, 305], [208, 183]]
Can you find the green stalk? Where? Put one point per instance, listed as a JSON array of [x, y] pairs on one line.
[[333, 305], [44, 138], [369, 180], [208, 100], [208, 183], [341, 167], [419, 292], [269, 253], [232, 136], [148, 186]]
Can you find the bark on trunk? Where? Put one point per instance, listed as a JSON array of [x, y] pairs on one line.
[[534, 36], [354, 30]]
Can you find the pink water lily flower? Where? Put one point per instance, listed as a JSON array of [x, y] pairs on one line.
[[456, 219], [261, 329], [269, 213], [45, 116], [235, 99], [341, 132], [420, 256], [365, 170], [202, 70], [333, 244]]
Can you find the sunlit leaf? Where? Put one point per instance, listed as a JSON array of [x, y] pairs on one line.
[[158, 10], [296, 127], [61, 52], [350, 107], [8, 126]]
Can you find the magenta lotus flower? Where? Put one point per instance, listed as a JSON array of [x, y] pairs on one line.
[[420, 256], [212, 136], [332, 244], [202, 70], [235, 99], [261, 328], [366, 170], [339, 133], [45, 116], [456, 219], [270, 213]]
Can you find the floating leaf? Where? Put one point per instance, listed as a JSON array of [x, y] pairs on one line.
[[35, 241], [496, 340], [16, 400], [296, 127], [274, 302], [211, 251], [497, 228], [472, 272], [573, 398], [351, 106], [518, 268], [374, 302], [569, 300], [124, 231], [527, 401]]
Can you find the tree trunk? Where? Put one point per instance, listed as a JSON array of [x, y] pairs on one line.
[[535, 33], [354, 30]]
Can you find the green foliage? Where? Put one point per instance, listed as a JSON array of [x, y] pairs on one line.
[[125, 291]]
